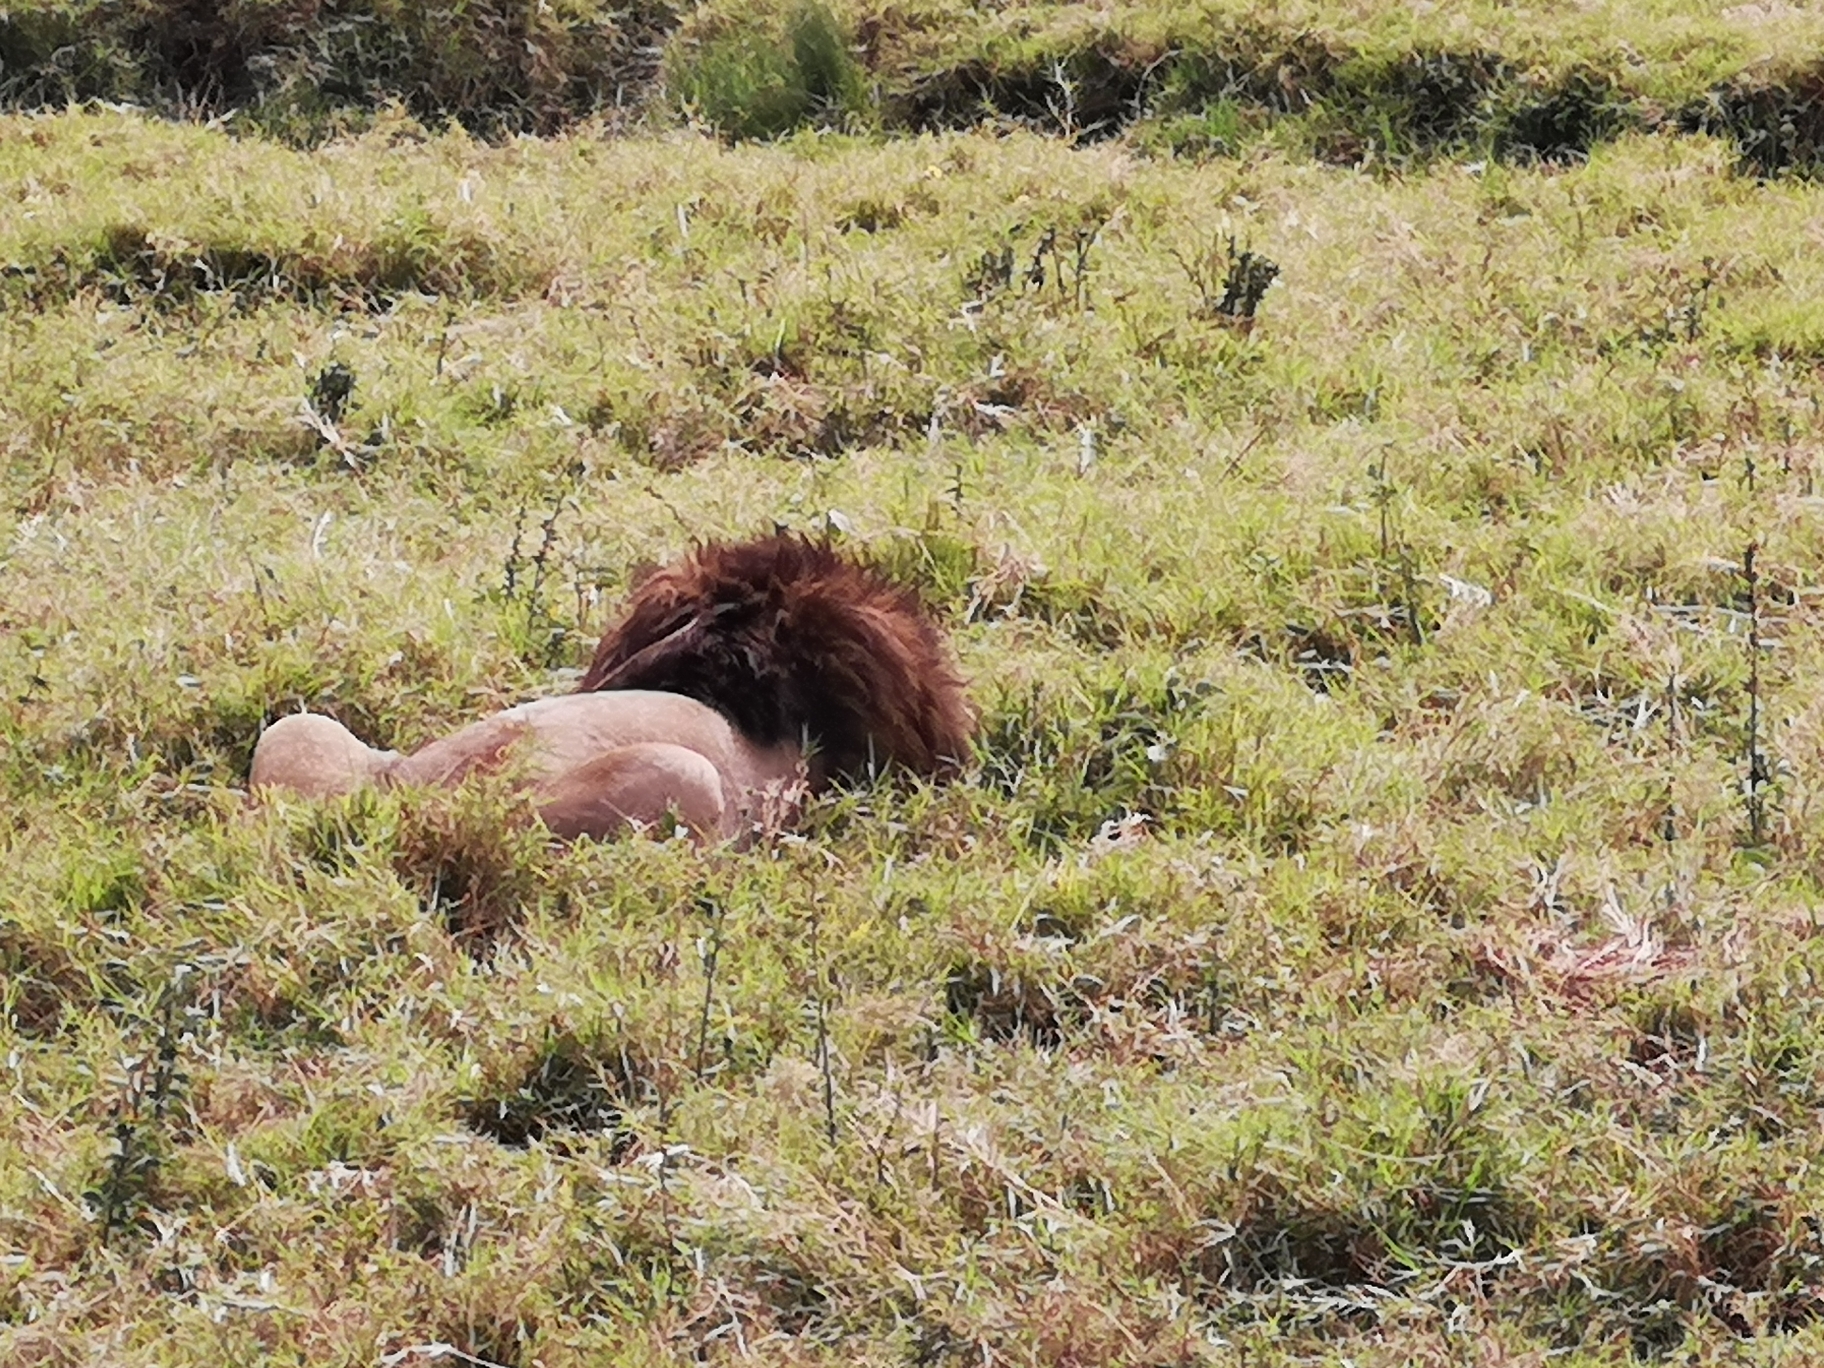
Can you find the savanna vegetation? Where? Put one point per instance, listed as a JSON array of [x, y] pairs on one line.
[[1367, 461]]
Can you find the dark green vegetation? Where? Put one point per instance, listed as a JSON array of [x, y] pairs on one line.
[[1379, 81], [1379, 924]]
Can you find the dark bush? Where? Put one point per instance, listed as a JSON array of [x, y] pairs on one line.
[[1080, 94], [1563, 121], [1777, 124], [298, 67]]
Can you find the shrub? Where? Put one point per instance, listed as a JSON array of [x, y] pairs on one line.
[[748, 83], [298, 69]]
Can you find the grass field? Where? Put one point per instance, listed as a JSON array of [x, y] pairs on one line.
[[1379, 924]]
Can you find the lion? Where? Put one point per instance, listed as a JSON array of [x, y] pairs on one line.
[[740, 679]]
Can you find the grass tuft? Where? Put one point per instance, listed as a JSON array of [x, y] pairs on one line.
[[746, 81], [571, 1084]]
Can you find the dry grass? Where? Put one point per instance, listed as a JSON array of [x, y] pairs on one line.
[[1351, 944]]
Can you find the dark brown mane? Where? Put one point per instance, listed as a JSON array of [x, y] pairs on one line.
[[791, 641]]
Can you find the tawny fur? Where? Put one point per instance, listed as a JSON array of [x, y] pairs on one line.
[[738, 678]]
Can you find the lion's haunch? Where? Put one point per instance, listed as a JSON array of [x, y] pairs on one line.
[[593, 764]]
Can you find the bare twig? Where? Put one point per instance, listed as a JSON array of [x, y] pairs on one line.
[[823, 1027], [712, 953], [1757, 764], [433, 1351]]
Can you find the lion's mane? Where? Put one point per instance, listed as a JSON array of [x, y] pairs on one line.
[[792, 641]]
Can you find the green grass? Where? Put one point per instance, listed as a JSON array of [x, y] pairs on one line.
[[1352, 941]]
